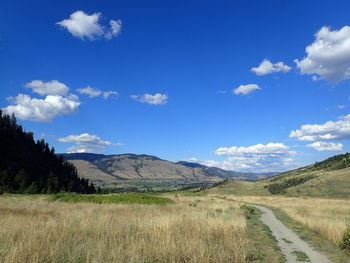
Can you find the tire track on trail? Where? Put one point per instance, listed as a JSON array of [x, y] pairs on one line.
[[288, 241]]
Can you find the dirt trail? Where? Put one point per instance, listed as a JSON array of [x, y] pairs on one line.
[[288, 241]]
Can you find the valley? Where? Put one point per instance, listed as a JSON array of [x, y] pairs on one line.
[[132, 172]]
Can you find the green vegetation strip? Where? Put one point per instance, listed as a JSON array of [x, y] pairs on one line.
[[125, 198], [264, 247]]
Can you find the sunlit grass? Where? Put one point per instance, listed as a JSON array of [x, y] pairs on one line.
[[39, 230]]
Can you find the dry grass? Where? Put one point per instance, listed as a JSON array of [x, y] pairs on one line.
[[194, 229], [327, 217]]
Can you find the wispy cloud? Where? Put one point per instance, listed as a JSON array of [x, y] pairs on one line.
[[93, 92], [156, 99]]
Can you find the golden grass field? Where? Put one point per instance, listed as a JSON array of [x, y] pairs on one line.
[[327, 217], [194, 229]]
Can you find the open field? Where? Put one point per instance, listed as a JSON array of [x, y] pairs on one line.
[[176, 227], [192, 229]]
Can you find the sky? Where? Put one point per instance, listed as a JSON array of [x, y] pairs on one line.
[[245, 85]]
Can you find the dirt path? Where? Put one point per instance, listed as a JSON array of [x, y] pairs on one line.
[[288, 241]]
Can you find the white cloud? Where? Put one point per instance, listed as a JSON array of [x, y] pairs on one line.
[[341, 106], [330, 130], [246, 89], [86, 143], [41, 110], [266, 67], [326, 146], [91, 92], [116, 26], [256, 158], [52, 87], [106, 94], [83, 26], [328, 57], [156, 99]]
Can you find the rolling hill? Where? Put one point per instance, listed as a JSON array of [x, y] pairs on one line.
[[111, 169], [329, 178]]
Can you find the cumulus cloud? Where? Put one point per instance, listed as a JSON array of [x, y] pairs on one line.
[[266, 67], [328, 57], [256, 158], [92, 92], [85, 26], [330, 130], [41, 110], [86, 143], [52, 87], [246, 89], [325, 146], [156, 99]]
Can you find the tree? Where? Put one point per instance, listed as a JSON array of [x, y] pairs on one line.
[[21, 180], [32, 189], [52, 184]]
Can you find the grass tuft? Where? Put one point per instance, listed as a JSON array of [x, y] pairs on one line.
[[301, 256]]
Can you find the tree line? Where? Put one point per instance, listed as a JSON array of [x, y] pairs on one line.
[[29, 166]]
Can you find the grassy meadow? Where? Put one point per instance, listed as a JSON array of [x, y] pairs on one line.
[[175, 227], [185, 229]]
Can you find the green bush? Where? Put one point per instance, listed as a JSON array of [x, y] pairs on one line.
[[345, 241]]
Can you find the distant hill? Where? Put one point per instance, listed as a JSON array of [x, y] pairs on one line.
[[108, 169], [27, 166], [330, 178]]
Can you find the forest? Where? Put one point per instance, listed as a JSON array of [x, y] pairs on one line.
[[29, 166]]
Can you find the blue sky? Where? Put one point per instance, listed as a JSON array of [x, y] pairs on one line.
[[182, 80]]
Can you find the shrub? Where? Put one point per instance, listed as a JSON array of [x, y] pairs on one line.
[[345, 241]]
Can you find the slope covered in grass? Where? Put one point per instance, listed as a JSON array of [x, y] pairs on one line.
[[329, 178]]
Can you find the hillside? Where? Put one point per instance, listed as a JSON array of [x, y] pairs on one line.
[[329, 178], [113, 169], [27, 166]]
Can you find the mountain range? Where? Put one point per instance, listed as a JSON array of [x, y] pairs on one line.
[[111, 169]]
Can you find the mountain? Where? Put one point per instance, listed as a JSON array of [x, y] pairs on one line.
[[28, 166], [110, 169], [328, 178]]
